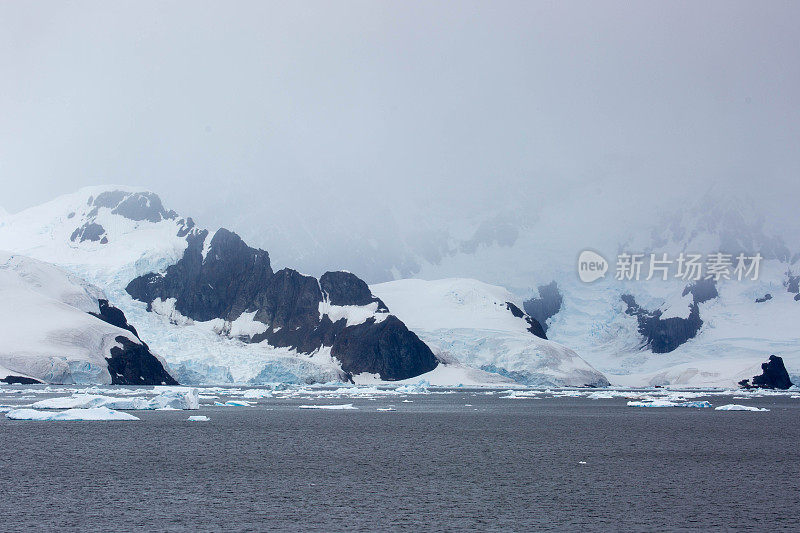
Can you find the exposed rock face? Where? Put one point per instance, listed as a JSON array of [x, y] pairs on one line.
[[548, 304], [88, 232], [224, 278], [767, 297], [773, 376], [111, 315], [344, 288], [133, 364], [702, 290], [665, 335], [387, 348], [221, 285], [535, 327]]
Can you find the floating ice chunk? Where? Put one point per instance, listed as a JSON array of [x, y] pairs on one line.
[[581, 462], [198, 418], [339, 406], [386, 409], [737, 407], [234, 403], [177, 398], [92, 413], [668, 403]]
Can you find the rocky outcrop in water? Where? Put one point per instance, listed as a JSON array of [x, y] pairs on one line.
[[773, 376], [220, 276]]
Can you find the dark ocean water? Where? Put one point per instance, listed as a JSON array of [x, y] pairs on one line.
[[432, 465]]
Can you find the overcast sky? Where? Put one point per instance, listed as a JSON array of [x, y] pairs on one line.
[[349, 108]]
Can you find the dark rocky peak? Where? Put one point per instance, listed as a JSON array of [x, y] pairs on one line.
[[220, 281], [223, 278], [548, 304], [137, 206], [533, 325], [773, 376], [344, 288], [767, 297]]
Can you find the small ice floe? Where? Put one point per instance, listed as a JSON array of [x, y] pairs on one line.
[[92, 413], [234, 403], [668, 403], [467, 405], [386, 409], [408, 401], [737, 407], [198, 418], [338, 406], [581, 462], [519, 394]]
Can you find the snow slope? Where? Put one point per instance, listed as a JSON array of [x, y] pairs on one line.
[[46, 331], [469, 322]]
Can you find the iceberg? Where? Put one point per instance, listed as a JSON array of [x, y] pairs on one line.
[[92, 413], [737, 407], [345, 406], [233, 403], [198, 418], [668, 403]]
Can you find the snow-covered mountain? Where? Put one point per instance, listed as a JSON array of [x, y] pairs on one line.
[[644, 332], [529, 244], [480, 325], [633, 332], [56, 328], [212, 305]]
